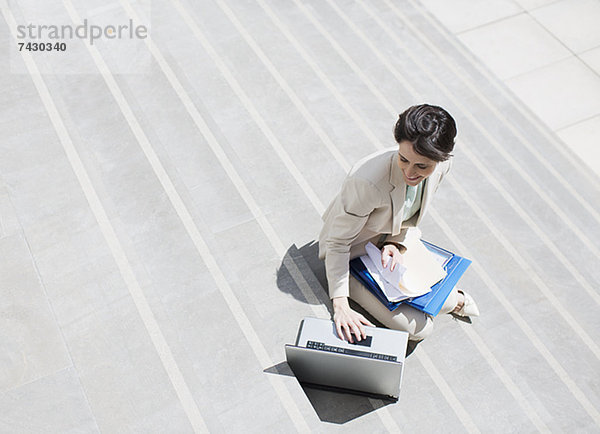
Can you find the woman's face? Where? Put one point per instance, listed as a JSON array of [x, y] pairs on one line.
[[415, 168]]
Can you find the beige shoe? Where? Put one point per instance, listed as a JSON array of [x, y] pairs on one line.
[[469, 307]]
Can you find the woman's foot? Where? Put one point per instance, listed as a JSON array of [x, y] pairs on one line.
[[466, 306]]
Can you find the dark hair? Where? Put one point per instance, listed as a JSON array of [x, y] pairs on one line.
[[429, 128]]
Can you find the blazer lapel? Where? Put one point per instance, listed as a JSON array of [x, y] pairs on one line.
[[428, 189], [397, 195]]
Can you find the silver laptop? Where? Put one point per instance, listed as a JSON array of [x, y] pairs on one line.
[[373, 365]]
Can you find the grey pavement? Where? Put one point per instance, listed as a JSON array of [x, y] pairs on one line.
[[547, 52], [160, 198]]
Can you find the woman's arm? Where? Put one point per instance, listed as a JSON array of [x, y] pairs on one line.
[[345, 221]]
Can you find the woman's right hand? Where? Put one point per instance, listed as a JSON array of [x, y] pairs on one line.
[[348, 321]]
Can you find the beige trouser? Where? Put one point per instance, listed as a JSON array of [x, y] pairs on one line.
[[418, 324]]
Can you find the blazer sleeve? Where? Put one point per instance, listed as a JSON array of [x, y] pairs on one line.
[[355, 203]]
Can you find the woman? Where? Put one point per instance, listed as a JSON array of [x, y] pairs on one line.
[[384, 198]]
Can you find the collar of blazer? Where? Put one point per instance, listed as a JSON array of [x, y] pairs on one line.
[[398, 192]]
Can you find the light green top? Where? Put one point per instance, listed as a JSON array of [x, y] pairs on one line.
[[412, 201]]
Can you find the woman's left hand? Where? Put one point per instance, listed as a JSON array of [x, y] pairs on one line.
[[391, 251]]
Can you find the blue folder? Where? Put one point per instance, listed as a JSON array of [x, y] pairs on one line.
[[431, 302]]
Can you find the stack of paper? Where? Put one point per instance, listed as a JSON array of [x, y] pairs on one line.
[[418, 273], [389, 281]]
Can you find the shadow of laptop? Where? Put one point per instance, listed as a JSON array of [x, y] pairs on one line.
[[334, 405]]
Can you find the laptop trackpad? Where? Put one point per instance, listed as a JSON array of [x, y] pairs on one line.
[[363, 343]]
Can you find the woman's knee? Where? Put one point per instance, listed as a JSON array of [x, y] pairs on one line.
[[423, 330], [419, 325]]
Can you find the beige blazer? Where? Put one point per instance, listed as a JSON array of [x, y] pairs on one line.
[[369, 205]]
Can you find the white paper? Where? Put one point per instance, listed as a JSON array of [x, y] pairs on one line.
[[392, 292], [393, 277], [421, 270]]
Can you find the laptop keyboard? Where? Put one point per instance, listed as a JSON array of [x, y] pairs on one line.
[[323, 347]]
